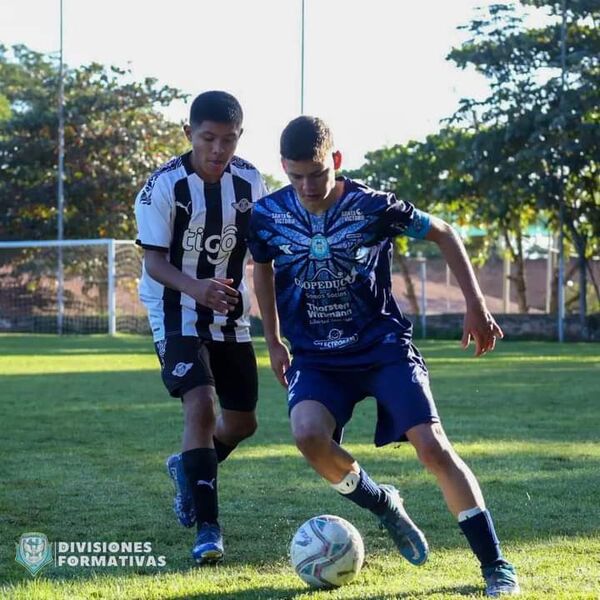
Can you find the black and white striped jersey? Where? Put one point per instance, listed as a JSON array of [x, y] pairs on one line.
[[203, 228]]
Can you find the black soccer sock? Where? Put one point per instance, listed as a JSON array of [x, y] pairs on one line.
[[200, 468], [481, 535], [222, 450]]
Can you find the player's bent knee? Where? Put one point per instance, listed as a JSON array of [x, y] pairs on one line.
[[201, 420], [311, 441], [435, 456], [199, 410], [242, 429]]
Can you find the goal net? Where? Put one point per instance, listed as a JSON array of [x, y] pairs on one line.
[[73, 286]]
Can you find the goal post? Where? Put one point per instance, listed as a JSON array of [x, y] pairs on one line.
[[97, 292]]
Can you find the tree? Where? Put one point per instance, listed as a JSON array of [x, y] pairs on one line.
[[415, 172], [115, 135], [272, 183], [548, 130]]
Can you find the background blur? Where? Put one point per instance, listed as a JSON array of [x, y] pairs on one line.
[[486, 114]]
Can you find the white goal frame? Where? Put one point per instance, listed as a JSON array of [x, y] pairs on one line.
[[111, 245]]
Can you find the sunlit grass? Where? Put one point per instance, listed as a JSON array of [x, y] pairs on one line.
[[86, 426]]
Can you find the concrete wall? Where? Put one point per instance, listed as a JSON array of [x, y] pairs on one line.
[[515, 326]]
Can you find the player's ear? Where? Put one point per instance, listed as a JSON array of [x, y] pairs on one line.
[[284, 165], [337, 160], [187, 129]]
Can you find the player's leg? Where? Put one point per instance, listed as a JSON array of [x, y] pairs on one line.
[[315, 423], [412, 415], [465, 500], [313, 426], [186, 374], [236, 378], [233, 426], [406, 410], [177, 355], [200, 466], [457, 482]]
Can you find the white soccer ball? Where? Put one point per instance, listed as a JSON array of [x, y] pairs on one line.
[[327, 551]]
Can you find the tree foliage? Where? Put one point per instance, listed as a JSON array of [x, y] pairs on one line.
[[115, 135], [498, 162], [546, 128]]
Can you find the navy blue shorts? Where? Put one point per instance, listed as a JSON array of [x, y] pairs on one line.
[[400, 388]]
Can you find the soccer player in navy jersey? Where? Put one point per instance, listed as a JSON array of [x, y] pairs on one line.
[[322, 249], [193, 215]]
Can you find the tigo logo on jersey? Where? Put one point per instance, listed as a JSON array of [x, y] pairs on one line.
[[220, 246], [181, 369]]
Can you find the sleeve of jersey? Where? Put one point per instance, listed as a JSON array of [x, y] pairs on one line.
[[258, 236], [153, 216], [402, 218]]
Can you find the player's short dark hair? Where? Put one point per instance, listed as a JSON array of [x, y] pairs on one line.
[[217, 106], [306, 138]]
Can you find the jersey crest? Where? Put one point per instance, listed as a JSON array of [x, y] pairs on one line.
[[243, 205]]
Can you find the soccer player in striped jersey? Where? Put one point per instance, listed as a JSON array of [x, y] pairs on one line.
[[324, 246], [192, 216]]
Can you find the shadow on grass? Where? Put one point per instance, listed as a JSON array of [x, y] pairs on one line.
[[267, 593], [258, 593]]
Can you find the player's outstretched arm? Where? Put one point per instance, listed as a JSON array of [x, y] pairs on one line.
[[264, 288], [479, 325], [214, 293]]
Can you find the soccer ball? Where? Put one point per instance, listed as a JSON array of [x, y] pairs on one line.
[[327, 551]]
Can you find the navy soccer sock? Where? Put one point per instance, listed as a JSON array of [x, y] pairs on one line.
[[481, 535], [222, 450], [200, 468], [367, 494]]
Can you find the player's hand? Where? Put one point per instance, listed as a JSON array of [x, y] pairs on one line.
[[214, 293], [481, 327], [280, 360]]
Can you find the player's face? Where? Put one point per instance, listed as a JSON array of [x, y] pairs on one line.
[[314, 181], [213, 146]]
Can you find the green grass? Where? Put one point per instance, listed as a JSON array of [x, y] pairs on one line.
[[86, 425]]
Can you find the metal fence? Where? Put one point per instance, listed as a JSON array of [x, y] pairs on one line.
[[98, 291]]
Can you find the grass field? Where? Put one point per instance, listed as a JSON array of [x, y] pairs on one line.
[[86, 426]]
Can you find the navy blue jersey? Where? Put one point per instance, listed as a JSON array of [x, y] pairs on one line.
[[333, 271]]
